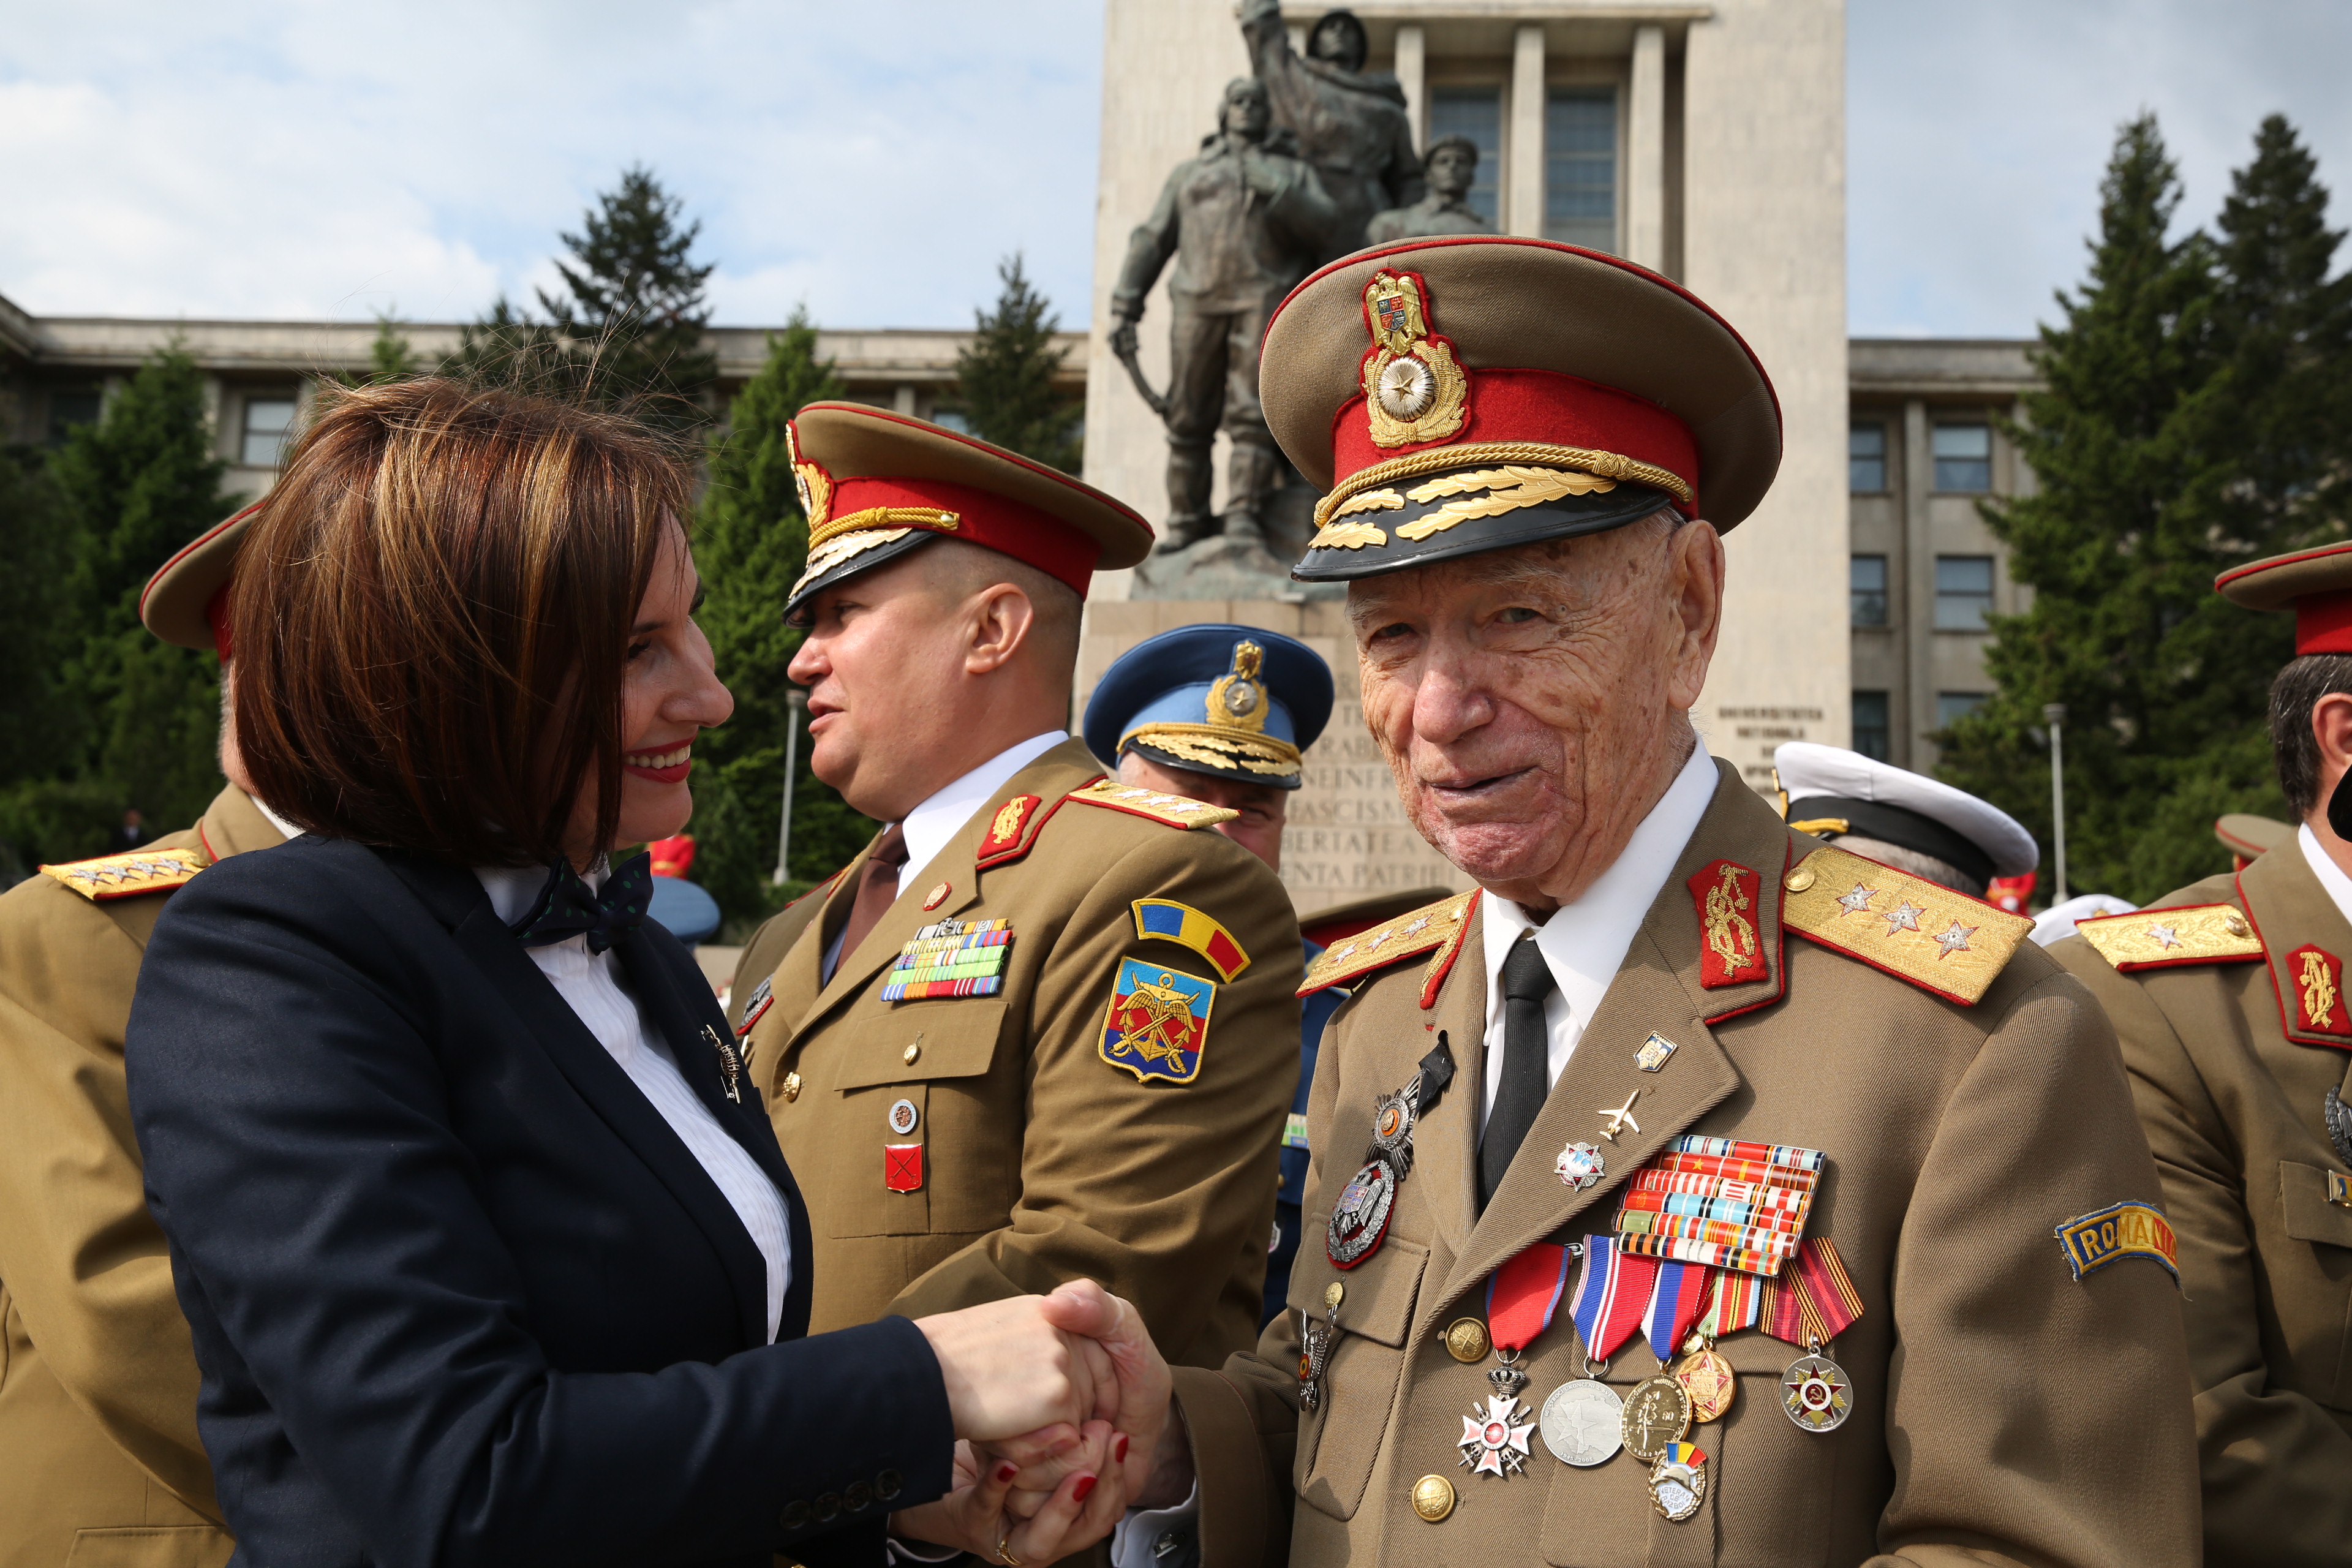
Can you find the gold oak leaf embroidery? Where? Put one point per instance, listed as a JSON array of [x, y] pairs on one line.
[[1510, 489]]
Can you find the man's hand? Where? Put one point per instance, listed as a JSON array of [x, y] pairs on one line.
[[1143, 1385]]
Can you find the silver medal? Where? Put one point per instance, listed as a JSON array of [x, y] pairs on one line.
[[1360, 1217], [1816, 1392], [1583, 1422]]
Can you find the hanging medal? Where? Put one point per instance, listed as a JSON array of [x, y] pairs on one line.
[[1314, 1348], [1359, 1219], [1521, 1296], [1809, 1304]]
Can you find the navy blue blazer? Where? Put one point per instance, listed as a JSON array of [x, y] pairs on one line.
[[460, 1295]]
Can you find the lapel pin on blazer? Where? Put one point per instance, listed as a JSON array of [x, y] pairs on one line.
[[730, 1066]]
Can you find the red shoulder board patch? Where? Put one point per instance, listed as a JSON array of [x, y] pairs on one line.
[[1013, 831], [2317, 976], [1724, 897]]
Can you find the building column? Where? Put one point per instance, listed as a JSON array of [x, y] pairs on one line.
[[1412, 74], [1918, 598], [1645, 151], [1524, 173], [902, 400]]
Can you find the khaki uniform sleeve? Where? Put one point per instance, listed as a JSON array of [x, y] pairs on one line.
[[85, 1263], [1162, 1192], [2300, 1509], [2097, 1464]]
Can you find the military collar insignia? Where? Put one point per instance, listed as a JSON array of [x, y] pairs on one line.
[[1725, 895], [1012, 830], [762, 998], [1438, 925], [1174, 810], [2167, 937], [128, 875], [1940, 940], [2321, 1007]]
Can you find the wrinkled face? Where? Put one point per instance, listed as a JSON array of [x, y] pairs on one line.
[[1263, 807], [1245, 113], [1452, 171], [1531, 702], [670, 694]]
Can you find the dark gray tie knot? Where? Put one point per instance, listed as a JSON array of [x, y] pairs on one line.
[[1526, 977]]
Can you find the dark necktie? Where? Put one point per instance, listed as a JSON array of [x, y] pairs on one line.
[[1526, 980], [877, 889], [568, 906]]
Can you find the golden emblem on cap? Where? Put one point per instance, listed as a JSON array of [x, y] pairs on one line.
[[1432, 1497], [1413, 389], [1237, 700], [1466, 1339], [815, 484]]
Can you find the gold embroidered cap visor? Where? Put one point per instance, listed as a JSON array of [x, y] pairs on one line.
[[1471, 393], [875, 485]]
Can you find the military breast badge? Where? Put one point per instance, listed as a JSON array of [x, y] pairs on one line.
[[1360, 1218], [1158, 1026]]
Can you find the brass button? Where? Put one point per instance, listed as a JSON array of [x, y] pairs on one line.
[[1333, 1294], [791, 1087], [858, 1496], [913, 1052], [795, 1517], [1466, 1339], [1799, 879], [2235, 924], [1432, 1497], [888, 1484], [828, 1506]]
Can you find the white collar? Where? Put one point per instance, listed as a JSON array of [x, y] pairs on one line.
[[2323, 867], [929, 826], [1585, 943]]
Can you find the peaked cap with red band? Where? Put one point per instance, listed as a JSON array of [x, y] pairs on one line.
[[187, 600], [2315, 584], [877, 485], [1477, 392]]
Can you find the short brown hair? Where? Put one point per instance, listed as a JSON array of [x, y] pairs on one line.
[[2294, 694], [433, 614]]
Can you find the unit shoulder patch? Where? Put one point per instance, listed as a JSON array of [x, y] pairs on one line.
[[1174, 810], [2120, 1230], [1169, 921], [1158, 1026], [1940, 941], [128, 875], [1416, 932], [2161, 939]]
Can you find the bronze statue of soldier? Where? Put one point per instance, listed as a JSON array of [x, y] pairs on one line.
[[1451, 168], [1350, 123]]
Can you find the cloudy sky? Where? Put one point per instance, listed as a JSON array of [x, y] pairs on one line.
[[873, 158]]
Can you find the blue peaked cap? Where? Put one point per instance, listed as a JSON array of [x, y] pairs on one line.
[[1238, 702]]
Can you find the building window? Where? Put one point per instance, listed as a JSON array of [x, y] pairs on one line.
[[1963, 592], [1865, 467], [1964, 458], [267, 422], [1871, 730], [1476, 113], [1951, 707], [68, 409], [1867, 579], [1580, 166], [950, 417]]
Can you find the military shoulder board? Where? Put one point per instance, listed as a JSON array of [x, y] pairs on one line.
[[130, 875], [1175, 810], [2159, 939], [1915, 930], [1438, 926]]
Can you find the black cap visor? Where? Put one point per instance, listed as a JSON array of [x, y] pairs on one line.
[[1369, 543], [796, 608]]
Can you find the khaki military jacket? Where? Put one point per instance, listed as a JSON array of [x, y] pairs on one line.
[[2002, 1409], [2232, 1059], [99, 1461], [1040, 1158]]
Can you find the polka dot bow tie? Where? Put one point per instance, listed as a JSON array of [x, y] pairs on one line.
[[568, 906]]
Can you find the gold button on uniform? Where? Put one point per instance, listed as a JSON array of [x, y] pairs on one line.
[[1466, 1339], [791, 1086], [914, 1052], [1333, 1294], [2235, 924], [1432, 1497], [1798, 880]]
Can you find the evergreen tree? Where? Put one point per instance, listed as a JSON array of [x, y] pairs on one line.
[[2189, 412], [35, 540], [1005, 375], [507, 347], [389, 356], [752, 543]]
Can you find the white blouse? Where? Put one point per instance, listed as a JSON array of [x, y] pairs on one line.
[[597, 989]]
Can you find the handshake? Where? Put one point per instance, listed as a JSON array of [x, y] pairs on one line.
[[1060, 1403]]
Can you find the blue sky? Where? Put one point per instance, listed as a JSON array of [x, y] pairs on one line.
[[874, 158]]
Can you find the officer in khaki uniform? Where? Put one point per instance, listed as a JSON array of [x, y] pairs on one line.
[[1043, 1026], [99, 1461], [1691, 1190], [2229, 997]]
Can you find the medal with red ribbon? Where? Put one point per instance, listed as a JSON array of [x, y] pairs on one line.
[[1521, 1297], [1812, 1301]]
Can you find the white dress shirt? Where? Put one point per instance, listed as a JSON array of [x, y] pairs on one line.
[[597, 988], [938, 818], [2323, 867], [1584, 943]]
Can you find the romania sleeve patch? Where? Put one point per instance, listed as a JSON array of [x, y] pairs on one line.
[[1170, 921], [2119, 1230], [2161, 939], [1432, 926], [128, 876], [1174, 810], [1940, 941], [1158, 1026]]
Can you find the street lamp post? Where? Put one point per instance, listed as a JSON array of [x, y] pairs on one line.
[[795, 704], [2054, 715]]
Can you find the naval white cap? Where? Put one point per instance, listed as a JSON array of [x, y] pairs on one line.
[[1879, 800]]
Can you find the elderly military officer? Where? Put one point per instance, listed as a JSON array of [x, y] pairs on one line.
[[2229, 995], [1044, 1027], [1900, 818], [97, 1383], [1693, 1191], [1224, 713]]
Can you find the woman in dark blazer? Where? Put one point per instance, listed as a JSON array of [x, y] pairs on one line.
[[488, 1247]]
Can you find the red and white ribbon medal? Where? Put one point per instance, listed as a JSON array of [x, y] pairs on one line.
[[1521, 1296]]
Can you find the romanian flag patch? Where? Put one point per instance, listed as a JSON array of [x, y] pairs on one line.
[[2119, 1230], [1171, 921]]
